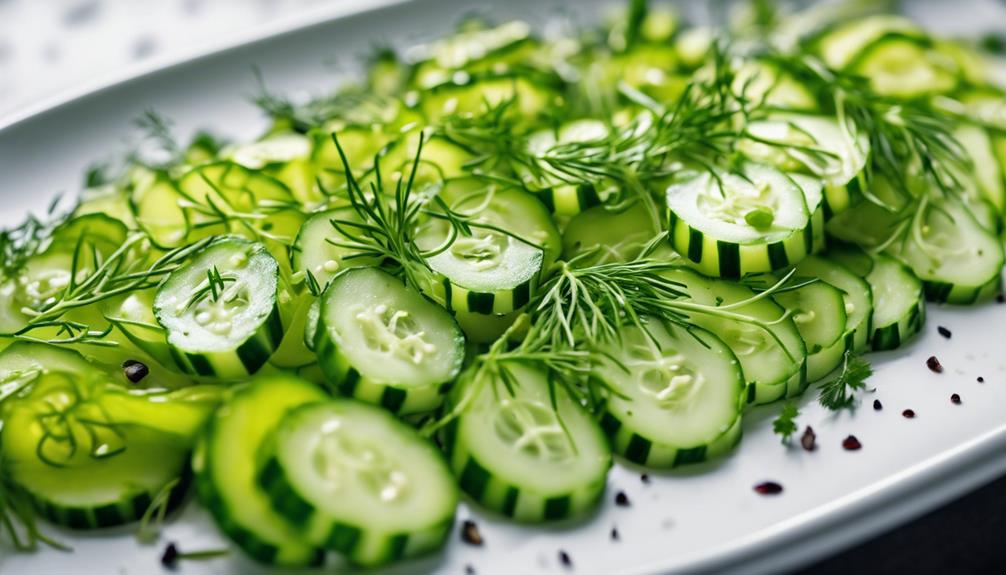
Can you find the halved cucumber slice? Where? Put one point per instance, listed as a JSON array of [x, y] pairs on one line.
[[226, 467], [677, 395], [381, 342], [734, 224], [355, 480], [529, 454], [316, 250], [899, 308], [766, 84], [773, 357], [89, 452], [958, 260], [815, 144], [220, 311], [489, 272]]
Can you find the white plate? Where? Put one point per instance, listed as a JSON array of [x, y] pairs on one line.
[[701, 518]]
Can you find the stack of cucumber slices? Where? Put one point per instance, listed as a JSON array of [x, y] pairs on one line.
[[487, 270]]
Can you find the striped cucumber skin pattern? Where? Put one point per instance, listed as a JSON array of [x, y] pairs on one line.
[[644, 451], [348, 381], [730, 260], [510, 500]]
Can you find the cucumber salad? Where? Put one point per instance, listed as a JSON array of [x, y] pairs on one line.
[[493, 266]]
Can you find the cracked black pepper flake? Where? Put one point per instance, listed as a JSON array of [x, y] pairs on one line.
[[134, 370], [470, 533], [768, 488], [981, 379], [851, 443], [908, 413], [809, 439], [1001, 298], [944, 331], [645, 478], [469, 569], [169, 558], [955, 399], [614, 534], [934, 364], [565, 559], [621, 499], [877, 406]]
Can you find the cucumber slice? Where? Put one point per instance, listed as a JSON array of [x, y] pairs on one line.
[[476, 50], [858, 300], [275, 149], [315, 249], [773, 361], [475, 93], [814, 144], [564, 198], [355, 480], [383, 343], [764, 83], [610, 236], [905, 67], [899, 308], [233, 190], [840, 46], [522, 454], [677, 395], [155, 203], [88, 452], [481, 328], [818, 310], [958, 260], [987, 180], [227, 327], [225, 464], [489, 272], [755, 221]]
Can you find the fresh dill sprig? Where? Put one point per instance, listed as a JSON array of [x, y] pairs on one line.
[[153, 517], [351, 104], [18, 244], [123, 271], [387, 223], [839, 393], [910, 141], [784, 425]]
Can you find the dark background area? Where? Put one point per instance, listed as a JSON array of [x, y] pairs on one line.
[[967, 535]]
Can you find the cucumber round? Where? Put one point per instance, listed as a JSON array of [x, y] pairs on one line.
[[677, 395], [521, 455], [735, 224], [89, 452], [355, 480], [899, 305], [489, 272], [226, 467], [774, 359], [228, 326], [382, 342]]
